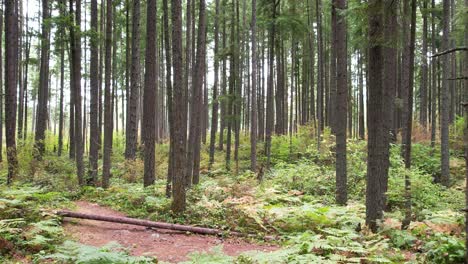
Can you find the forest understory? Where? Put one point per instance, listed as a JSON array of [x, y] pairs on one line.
[[295, 203]]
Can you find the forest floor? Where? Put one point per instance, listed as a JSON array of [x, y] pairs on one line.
[[166, 245]]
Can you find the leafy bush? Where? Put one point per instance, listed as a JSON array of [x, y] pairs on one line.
[[445, 249]]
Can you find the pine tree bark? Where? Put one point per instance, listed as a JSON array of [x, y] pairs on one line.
[[132, 119], [76, 69], [423, 91], [108, 118], [151, 85], [223, 85], [362, 128], [11, 62], [215, 101], [320, 74], [94, 104], [178, 190], [341, 102], [200, 73], [434, 78], [167, 49], [390, 52], [375, 117], [465, 92], [445, 98], [1, 89], [253, 108], [269, 105], [43, 93]]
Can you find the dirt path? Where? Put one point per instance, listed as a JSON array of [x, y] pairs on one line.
[[170, 246]]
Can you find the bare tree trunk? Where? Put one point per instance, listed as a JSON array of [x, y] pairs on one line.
[[76, 68], [151, 86], [178, 190], [341, 102], [253, 128], [320, 74], [43, 94], [269, 107], [409, 111], [223, 86], [423, 91], [108, 119], [1, 88], [94, 104], [200, 72], [132, 119], [434, 79], [167, 47], [11, 62], [375, 117], [214, 112], [445, 98]]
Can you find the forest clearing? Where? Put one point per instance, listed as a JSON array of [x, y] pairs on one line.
[[233, 131]]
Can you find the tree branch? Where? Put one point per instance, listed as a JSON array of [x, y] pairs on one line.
[[449, 51]]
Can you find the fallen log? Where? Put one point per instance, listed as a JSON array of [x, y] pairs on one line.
[[146, 223]]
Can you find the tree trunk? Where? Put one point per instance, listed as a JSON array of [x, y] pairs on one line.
[[434, 79], [409, 83], [167, 47], [214, 112], [445, 98], [341, 102], [1, 88], [151, 85], [362, 128], [223, 86], [375, 117], [139, 222], [269, 107], [132, 119], [108, 119], [320, 77], [76, 69], [423, 91], [94, 104], [178, 191], [43, 93], [465, 91], [253, 125], [11, 62]]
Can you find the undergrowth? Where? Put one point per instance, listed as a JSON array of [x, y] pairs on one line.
[[294, 203]]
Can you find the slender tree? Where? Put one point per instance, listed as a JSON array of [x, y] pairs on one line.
[[253, 116], [423, 91], [167, 51], [76, 69], [43, 94], [179, 163], [132, 119], [149, 122], [1, 88], [445, 98], [341, 101], [94, 104], [108, 118], [214, 112], [408, 104], [198, 82], [11, 81], [375, 146]]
